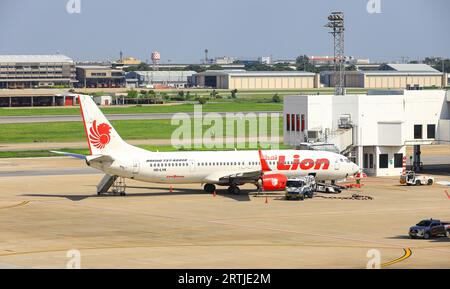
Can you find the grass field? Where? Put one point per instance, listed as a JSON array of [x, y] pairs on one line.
[[208, 107], [74, 131]]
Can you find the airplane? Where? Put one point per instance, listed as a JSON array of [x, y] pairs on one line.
[[268, 170]]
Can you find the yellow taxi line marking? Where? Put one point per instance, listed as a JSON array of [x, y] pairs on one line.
[[405, 256], [16, 205]]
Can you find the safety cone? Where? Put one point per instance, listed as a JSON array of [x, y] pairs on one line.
[[171, 189], [448, 196], [267, 200], [214, 194]]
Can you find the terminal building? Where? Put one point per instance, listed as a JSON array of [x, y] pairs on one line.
[[36, 71], [395, 76], [98, 76], [374, 129], [241, 79]]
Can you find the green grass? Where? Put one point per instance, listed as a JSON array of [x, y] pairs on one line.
[[74, 131], [46, 153], [208, 107]]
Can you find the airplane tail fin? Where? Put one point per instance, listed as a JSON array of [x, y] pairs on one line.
[[102, 138]]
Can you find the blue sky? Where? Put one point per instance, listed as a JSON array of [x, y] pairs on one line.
[[182, 29]]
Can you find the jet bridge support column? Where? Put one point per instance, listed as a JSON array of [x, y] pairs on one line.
[[417, 164]]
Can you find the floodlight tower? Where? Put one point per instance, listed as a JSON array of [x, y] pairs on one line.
[[336, 24]]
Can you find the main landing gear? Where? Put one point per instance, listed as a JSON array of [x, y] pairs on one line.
[[233, 189], [209, 188]]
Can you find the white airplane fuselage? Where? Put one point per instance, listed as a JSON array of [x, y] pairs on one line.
[[209, 166]]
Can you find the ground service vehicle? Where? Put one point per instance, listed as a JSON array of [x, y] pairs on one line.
[[412, 179], [300, 188]]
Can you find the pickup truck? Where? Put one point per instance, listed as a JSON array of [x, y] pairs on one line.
[[429, 228]]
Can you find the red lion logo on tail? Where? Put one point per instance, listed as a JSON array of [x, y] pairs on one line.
[[99, 135]]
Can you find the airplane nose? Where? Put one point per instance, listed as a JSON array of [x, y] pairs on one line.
[[355, 168]]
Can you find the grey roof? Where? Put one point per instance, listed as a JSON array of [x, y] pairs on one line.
[[161, 76], [411, 67], [35, 58], [257, 73]]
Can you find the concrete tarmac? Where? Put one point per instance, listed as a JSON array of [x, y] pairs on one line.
[[43, 216]]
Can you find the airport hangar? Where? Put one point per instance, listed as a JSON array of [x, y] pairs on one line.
[[241, 79], [372, 129], [390, 76]]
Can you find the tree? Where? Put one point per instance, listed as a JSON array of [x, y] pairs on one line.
[[202, 100], [140, 67], [303, 64], [276, 98], [215, 67], [233, 93], [132, 94], [195, 67]]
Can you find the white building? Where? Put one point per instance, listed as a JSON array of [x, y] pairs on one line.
[[374, 128], [176, 79]]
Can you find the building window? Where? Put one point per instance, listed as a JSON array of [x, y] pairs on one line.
[[288, 122], [417, 131], [371, 161], [366, 161], [384, 163], [303, 122], [293, 122], [398, 160], [431, 131]]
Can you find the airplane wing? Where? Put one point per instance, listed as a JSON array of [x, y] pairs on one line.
[[77, 156], [95, 158], [239, 177]]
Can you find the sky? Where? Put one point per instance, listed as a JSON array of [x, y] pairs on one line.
[[181, 29]]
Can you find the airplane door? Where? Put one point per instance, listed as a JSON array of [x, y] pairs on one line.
[[191, 165], [135, 167], [337, 165]]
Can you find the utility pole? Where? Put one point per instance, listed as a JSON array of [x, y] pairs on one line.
[[336, 24]]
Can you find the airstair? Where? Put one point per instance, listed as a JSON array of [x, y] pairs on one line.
[[108, 181]]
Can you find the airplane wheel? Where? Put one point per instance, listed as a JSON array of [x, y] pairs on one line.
[[209, 188], [430, 182], [234, 190]]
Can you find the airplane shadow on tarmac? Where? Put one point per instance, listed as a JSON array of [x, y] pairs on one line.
[[243, 197]]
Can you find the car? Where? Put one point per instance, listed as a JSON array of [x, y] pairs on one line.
[[426, 229]]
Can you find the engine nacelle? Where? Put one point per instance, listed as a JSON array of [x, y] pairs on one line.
[[273, 182]]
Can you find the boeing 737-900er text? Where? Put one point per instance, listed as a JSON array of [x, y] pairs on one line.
[[268, 170]]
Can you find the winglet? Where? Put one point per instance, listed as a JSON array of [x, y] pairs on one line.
[[264, 166]]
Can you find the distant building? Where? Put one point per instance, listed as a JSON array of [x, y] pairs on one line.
[[35, 71], [390, 76], [267, 60], [155, 79], [129, 61], [224, 60], [241, 79], [96, 76]]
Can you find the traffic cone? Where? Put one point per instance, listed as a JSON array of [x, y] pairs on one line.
[[448, 196], [267, 200], [214, 194], [171, 189]]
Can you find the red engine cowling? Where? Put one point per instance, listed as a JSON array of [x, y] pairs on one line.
[[273, 182]]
